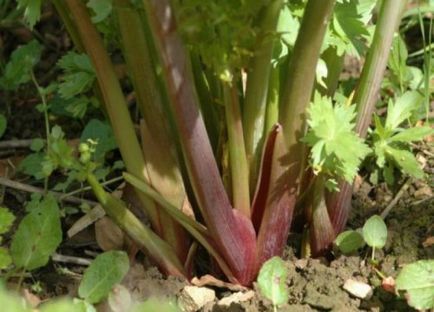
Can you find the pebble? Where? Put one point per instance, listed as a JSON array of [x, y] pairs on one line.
[[358, 289], [194, 298]]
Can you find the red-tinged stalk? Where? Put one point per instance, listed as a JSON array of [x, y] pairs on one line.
[[198, 231], [114, 101], [156, 248], [258, 77], [366, 96], [321, 231], [158, 148], [233, 233], [273, 204], [237, 154]]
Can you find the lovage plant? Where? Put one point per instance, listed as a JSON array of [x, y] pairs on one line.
[[223, 157]]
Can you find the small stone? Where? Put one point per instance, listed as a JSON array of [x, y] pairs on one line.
[[235, 298], [301, 263], [423, 192], [193, 298], [358, 289]]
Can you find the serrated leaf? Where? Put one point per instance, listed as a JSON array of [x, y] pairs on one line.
[[398, 58], [37, 236], [329, 135], [418, 280], [32, 11], [102, 133], [375, 232], [5, 258], [6, 219], [349, 241], [21, 63], [101, 9], [272, 281], [3, 124], [402, 109], [412, 134], [79, 75], [406, 162], [105, 271], [32, 165]]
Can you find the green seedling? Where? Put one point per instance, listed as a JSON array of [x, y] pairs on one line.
[[272, 281], [375, 233]]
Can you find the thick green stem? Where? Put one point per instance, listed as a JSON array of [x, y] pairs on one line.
[[257, 88], [114, 100], [156, 248], [237, 152], [298, 88], [366, 94], [302, 69], [272, 113], [158, 148]]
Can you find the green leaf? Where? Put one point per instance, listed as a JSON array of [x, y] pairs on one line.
[[101, 9], [330, 134], [106, 270], [12, 302], [272, 281], [37, 144], [79, 75], [32, 165], [418, 280], [398, 59], [6, 219], [32, 10], [3, 124], [22, 60], [102, 133], [37, 236], [349, 241], [402, 109], [5, 258], [412, 134], [67, 305], [375, 232], [406, 162]]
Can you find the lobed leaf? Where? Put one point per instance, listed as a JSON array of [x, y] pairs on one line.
[[402, 108]]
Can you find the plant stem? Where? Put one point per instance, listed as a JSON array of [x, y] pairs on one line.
[[257, 87], [156, 248], [114, 100], [46, 121], [299, 85], [234, 235], [366, 94], [158, 146], [237, 154]]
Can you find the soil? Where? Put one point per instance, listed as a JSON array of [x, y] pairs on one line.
[[314, 284]]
